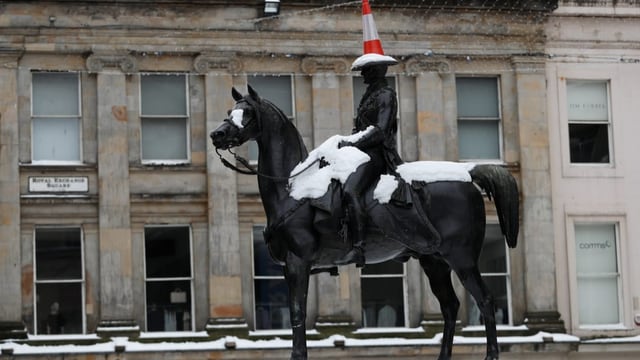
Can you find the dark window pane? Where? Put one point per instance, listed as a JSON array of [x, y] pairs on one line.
[[272, 307], [163, 95], [478, 139], [263, 264], [382, 302], [497, 286], [589, 143], [493, 258], [477, 97], [59, 308], [58, 254], [275, 88], [386, 268], [169, 305], [167, 252]]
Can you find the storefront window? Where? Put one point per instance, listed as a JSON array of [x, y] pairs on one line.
[[270, 288], [59, 281], [494, 267], [383, 301], [598, 274], [168, 278]]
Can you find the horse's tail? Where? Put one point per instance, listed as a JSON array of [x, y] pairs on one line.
[[500, 185]]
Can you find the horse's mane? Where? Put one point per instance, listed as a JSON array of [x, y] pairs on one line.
[[289, 124]]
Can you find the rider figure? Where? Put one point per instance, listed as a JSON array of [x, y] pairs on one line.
[[378, 108]]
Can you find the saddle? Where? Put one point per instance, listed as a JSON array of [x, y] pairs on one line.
[[401, 219]]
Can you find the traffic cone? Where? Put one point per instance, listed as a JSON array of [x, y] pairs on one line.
[[372, 46]]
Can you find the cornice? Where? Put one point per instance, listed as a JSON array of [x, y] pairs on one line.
[[97, 62]]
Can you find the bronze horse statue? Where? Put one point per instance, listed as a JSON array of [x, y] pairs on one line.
[[304, 245]]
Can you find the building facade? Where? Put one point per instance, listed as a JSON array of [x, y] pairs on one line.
[[118, 217], [593, 72]]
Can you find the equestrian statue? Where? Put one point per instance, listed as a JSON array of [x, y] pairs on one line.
[[353, 200]]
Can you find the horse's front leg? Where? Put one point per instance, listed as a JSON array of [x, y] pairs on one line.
[[296, 273]]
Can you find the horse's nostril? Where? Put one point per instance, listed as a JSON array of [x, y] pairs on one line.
[[217, 134]]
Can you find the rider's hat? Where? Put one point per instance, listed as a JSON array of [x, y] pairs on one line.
[[373, 53]]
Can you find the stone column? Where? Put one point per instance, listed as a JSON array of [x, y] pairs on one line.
[[337, 300], [433, 123], [226, 314], [537, 219], [114, 213], [11, 325]]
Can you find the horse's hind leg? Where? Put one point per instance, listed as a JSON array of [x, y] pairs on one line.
[[439, 274], [472, 281]]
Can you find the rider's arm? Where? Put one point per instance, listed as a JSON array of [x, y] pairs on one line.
[[385, 120]]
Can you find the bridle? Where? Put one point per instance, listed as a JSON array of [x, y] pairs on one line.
[[250, 170]]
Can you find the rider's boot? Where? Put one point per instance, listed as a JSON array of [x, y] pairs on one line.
[[355, 231]]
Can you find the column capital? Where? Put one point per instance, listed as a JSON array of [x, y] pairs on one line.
[[421, 64], [529, 64], [98, 61], [206, 62], [322, 64], [9, 57]]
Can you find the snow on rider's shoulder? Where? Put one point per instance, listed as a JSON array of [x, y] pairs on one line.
[[313, 181]]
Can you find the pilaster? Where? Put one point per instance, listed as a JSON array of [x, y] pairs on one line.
[[226, 315], [325, 85], [537, 218], [115, 241], [11, 325], [433, 77]]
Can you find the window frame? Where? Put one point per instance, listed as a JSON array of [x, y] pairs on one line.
[[82, 279], [499, 119], [619, 221], [186, 117], [614, 168], [507, 278], [405, 294], [608, 123], [79, 119], [191, 278], [254, 277]]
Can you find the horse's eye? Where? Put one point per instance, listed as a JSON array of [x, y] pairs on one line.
[[228, 112]]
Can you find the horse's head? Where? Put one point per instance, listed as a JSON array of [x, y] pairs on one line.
[[242, 123]]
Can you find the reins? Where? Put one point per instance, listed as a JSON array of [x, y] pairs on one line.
[[251, 171]]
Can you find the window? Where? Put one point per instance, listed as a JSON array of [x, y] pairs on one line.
[[478, 118], [270, 289], [383, 300], [55, 117], [597, 272], [589, 125], [168, 278], [59, 281], [494, 267], [277, 89], [164, 114]]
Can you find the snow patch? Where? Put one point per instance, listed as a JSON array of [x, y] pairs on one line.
[[312, 181]]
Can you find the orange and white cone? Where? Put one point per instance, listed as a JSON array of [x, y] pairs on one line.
[[372, 46]]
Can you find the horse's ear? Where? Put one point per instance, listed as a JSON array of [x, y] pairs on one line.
[[253, 93], [236, 94]]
